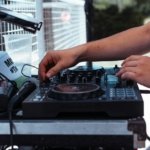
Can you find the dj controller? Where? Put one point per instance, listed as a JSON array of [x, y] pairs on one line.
[[90, 91]]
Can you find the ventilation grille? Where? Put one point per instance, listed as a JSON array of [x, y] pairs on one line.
[[64, 24]]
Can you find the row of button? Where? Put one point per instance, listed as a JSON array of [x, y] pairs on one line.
[[122, 93]]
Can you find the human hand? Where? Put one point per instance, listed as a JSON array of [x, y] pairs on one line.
[[136, 68], [54, 62]]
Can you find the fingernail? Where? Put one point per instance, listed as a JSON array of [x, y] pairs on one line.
[[49, 75], [123, 76]]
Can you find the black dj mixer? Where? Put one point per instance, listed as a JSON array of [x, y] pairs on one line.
[[95, 91]]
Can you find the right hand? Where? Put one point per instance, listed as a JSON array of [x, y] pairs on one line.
[[55, 61], [137, 68]]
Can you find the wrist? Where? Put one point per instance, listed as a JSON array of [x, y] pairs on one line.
[[80, 53]]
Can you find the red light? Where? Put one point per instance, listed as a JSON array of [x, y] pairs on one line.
[[65, 16]]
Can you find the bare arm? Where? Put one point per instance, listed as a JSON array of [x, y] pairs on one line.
[[119, 46], [116, 47]]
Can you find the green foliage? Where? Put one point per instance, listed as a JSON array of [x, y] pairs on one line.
[[143, 6], [110, 21]]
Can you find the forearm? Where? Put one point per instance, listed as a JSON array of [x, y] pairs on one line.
[[117, 47]]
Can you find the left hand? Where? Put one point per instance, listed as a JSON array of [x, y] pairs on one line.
[[136, 68]]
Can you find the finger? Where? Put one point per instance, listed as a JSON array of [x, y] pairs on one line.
[[42, 71], [43, 68], [129, 76], [54, 70], [131, 58], [130, 64], [125, 69]]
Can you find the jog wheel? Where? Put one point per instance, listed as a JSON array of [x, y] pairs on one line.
[[75, 91]]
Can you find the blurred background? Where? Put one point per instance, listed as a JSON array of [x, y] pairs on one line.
[[67, 23], [63, 27]]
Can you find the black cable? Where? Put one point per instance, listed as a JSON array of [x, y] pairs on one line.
[[145, 91], [27, 88], [14, 100], [10, 112], [5, 78], [11, 129], [11, 93], [148, 137]]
